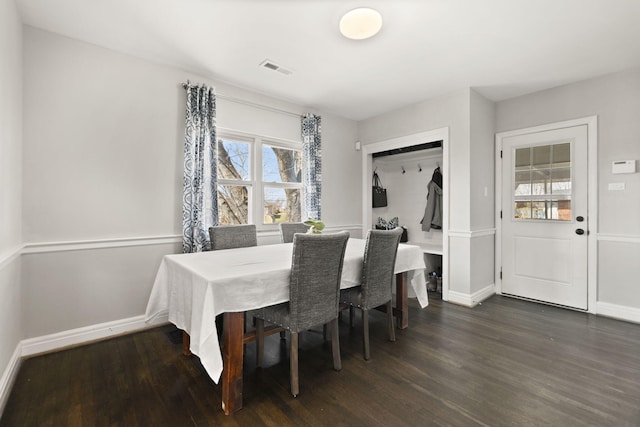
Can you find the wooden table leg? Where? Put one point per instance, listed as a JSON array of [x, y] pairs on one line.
[[402, 300], [232, 354], [186, 343]]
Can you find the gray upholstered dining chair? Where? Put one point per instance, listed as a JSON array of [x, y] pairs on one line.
[[233, 236], [377, 280], [316, 271], [288, 229]]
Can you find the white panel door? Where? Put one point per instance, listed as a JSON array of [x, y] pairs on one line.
[[544, 216]]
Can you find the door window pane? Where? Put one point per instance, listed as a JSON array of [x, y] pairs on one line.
[[538, 210], [523, 210], [561, 181], [562, 155], [281, 205], [541, 156], [540, 182], [523, 158], [564, 210], [523, 183]]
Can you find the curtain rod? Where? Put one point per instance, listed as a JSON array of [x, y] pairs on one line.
[[251, 104]]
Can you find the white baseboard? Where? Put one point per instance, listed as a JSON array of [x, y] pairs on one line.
[[8, 377], [621, 312], [86, 334], [471, 300], [64, 339]]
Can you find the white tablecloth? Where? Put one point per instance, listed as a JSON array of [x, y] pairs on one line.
[[194, 288]]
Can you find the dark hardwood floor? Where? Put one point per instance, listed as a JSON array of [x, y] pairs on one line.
[[504, 363]]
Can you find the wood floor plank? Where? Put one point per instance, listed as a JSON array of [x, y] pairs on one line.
[[506, 362]]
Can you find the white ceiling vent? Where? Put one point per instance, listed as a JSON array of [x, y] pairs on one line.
[[270, 65]]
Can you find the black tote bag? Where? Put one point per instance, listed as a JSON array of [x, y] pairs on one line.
[[379, 193]]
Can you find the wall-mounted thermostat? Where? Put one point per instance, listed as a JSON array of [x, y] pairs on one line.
[[623, 166]]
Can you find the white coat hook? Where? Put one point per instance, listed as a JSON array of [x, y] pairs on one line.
[[419, 168], [403, 171]]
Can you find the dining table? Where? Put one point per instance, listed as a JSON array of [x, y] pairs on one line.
[[191, 289]]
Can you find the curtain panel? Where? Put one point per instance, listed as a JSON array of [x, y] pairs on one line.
[[312, 166], [200, 203]]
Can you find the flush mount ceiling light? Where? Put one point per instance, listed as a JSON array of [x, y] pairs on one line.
[[361, 23]]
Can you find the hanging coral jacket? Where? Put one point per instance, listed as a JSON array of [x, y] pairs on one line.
[[433, 211]]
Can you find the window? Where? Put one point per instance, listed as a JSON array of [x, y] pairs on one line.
[[542, 178], [259, 180]]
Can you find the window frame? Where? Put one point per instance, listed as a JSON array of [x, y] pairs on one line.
[[255, 184]]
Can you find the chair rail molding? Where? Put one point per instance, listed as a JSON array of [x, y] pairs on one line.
[[9, 256], [623, 238], [470, 234], [44, 247]]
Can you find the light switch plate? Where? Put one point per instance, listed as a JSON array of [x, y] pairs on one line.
[[616, 186]]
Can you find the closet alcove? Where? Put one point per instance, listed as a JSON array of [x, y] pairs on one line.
[[405, 166]]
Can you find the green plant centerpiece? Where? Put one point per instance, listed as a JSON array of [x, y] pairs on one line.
[[315, 226]]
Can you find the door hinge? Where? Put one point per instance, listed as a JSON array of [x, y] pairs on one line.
[[500, 153], [500, 274], [500, 214]]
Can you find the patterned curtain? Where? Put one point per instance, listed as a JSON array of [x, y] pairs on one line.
[[200, 203], [312, 165]]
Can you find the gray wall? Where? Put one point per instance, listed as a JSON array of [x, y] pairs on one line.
[[10, 185], [481, 193], [615, 99], [103, 160], [469, 118]]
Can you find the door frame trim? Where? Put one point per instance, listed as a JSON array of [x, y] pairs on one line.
[[439, 134], [592, 199]]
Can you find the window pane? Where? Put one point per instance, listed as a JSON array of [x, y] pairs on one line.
[[564, 210], [523, 157], [561, 181], [538, 210], [281, 164], [540, 181], [234, 161], [522, 210], [541, 156], [523, 183], [281, 205], [561, 154], [233, 204]]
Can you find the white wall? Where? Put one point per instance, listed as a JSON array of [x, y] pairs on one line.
[[482, 162], [481, 193], [103, 160], [451, 110], [407, 192], [469, 118], [615, 99], [10, 188]]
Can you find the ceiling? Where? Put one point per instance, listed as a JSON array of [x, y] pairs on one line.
[[426, 48]]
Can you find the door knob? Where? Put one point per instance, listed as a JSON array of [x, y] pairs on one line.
[[580, 231]]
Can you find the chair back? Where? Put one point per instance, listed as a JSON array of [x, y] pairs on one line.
[[378, 268], [233, 236], [316, 271], [288, 229]]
